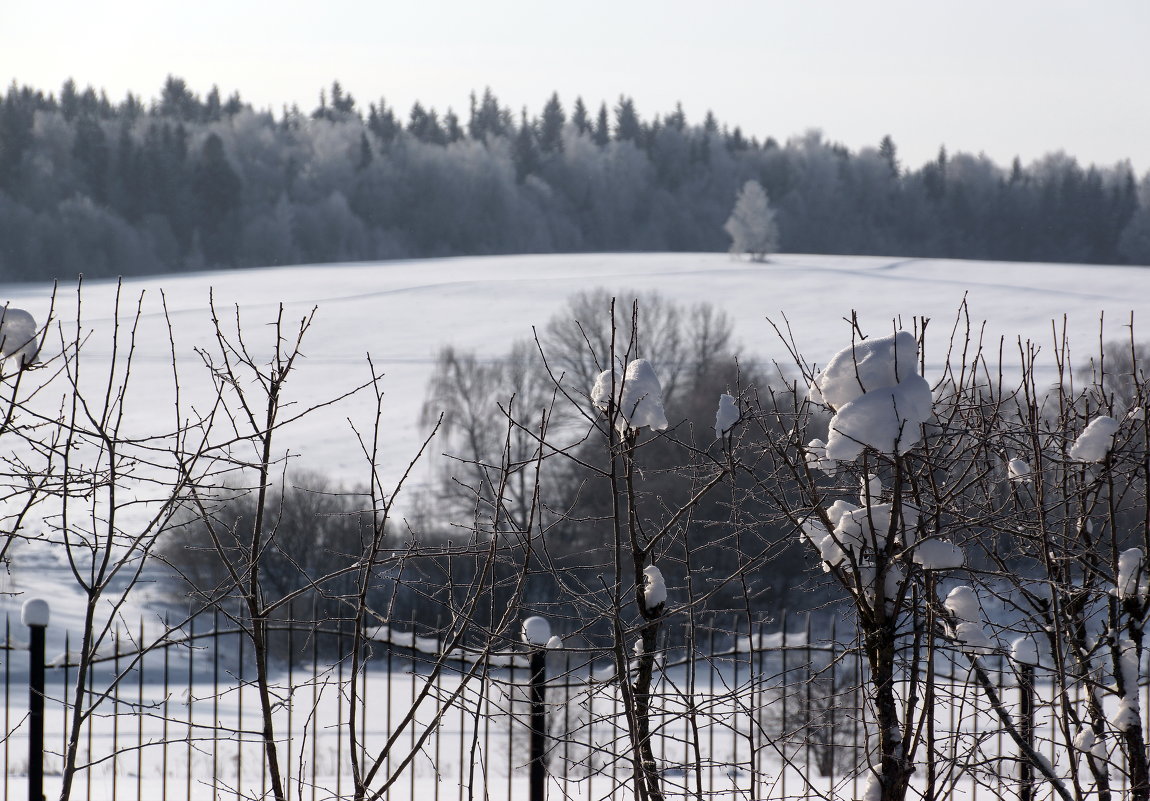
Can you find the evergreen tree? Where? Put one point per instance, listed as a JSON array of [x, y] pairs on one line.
[[602, 133], [752, 226], [526, 151], [551, 129], [342, 104], [216, 190], [177, 101], [487, 119], [451, 127], [381, 121], [889, 154], [579, 117], [627, 127], [90, 150]]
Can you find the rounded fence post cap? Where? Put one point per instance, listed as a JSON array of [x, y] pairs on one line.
[[536, 631], [35, 612]]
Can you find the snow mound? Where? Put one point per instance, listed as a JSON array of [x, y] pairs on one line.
[[641, 396], [18, 336], [935, 554], [878, 397], [1018, 470], [963, 604], [1131, 577], [1024, 650], [536, 631], [654, 588], [866, 366], [726, 416], [1095, 441], [817, 457]]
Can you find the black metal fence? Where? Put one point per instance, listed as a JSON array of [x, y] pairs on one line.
[[761, 713]]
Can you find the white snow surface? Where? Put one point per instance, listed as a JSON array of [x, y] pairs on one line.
[[1095, 441], [727, 415], [403, 312]]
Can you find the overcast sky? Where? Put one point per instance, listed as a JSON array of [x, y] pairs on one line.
[[1004, 77]]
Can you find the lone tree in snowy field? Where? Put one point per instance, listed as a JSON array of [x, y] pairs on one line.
[[752, 226]]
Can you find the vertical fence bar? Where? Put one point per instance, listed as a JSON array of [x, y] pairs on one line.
[[339, 710], [566, 689], [511, 692], [64, 705], [115, 711], [165, 716], [215, 702], [591, 748], [314, 700], [191, 699], [8, 694], [712, 761], [140, 717], [786, 685], [538, 688], [1026, 708], [88, 724], [806, 719], [289, 751], [240, 715], [414, 692], [387, 707], [35, 614], [462, 738], [733, 769]]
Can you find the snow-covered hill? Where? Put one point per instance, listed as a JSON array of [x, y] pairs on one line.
[[401, 312]]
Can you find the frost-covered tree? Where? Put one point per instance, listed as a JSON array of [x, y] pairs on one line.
[[752, 226]]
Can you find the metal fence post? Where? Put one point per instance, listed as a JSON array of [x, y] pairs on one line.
[[34, 615], [538, 722], [537, 635]]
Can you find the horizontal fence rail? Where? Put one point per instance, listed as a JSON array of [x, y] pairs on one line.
[[740, 714]]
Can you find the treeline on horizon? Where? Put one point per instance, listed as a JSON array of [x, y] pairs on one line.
[[188, 182]]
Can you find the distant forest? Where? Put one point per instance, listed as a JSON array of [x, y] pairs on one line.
[[189, 182]]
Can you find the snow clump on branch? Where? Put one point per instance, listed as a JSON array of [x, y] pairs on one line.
[[726, 416], [1018, 470], [963, 604], [1131, 576], [878, 397], [1095, 441], [654, 588], [641, 396], [936, 554], [18, 336], [536, 631]]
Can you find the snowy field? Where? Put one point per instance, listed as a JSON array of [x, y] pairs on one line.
[[402, 312]]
